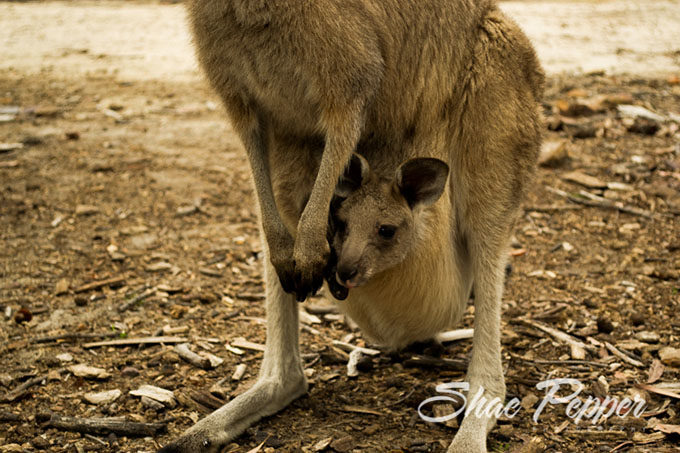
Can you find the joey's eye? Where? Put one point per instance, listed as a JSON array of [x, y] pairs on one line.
[[387, 231]]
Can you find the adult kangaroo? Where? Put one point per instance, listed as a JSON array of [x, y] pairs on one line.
[[306, 83]]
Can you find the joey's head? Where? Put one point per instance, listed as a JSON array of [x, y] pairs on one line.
[[375, 220]]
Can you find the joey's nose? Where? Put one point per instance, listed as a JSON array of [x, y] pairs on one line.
[[346, 274]]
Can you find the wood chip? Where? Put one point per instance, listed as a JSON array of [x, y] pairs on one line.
[[354, 358], [670, 356], [307, 318], [61, 287], [241, 342], [454, 335], [169, 330], [214, 360], [88, 372], [161, 395], [191, 357], [7, 147], [160, 266], [350, 347], [318, 309], [106, 397], [553, 153], [234, 350], [239, 372], [585, 180], [85, 210], [210, 272]]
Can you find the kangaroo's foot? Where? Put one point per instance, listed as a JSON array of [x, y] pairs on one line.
[[268, 396]]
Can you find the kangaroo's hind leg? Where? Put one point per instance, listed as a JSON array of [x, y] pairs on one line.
[[280, 381], [493, 165]]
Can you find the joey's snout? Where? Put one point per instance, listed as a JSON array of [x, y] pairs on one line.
[[346, 274], [350, 271]]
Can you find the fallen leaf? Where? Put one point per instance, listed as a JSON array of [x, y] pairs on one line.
[[641, 438], [102, 397], [658, 391], [655, 372], [322, 444], [668, 429]]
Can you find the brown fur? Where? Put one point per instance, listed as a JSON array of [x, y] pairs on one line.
[[305, 84]]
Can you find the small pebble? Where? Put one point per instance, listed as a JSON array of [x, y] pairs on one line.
[[590, 303], [40, 443], [129, 371], [648, 337], [80, 301], [23, 315], [604, 325], [637, 319]]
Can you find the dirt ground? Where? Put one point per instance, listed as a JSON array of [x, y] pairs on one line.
[[118, 165]]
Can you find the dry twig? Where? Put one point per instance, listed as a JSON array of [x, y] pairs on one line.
[[191, 357], [116, 425], [588, 199], [100, 284], [629, 360], [578, 348], [135, 341]]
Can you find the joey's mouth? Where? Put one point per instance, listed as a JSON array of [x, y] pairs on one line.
[[351, 283]]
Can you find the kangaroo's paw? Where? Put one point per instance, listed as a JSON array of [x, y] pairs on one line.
[[266, 397], [311, 257], [281, 247]]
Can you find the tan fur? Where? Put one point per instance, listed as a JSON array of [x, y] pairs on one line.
[[306, 83]]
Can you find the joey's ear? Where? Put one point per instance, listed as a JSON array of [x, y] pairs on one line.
[[355, 173], [422, 180]]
